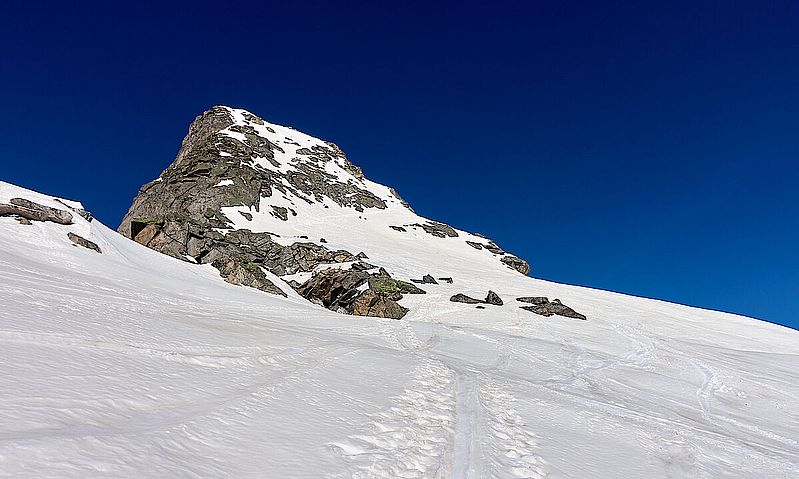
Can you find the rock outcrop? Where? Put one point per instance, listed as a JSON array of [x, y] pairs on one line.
[[358, 292], [29, 210], [493, 298], [462, 298], [81, 241], [543, 306]]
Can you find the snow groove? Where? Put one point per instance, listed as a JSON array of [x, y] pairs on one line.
[[413, 437], [510, 445]]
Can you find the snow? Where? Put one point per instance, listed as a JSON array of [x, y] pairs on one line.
[[134, 364], [224, 183]]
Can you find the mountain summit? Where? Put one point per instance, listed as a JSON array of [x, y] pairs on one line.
[[258, 200]]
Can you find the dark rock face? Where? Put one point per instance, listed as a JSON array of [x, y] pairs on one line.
[[335, 289], [462, 298], [81, 241], [343, 291], [446, 280], [493, 298], [474, 244], [398, 228], [34, 211], [544, 307]]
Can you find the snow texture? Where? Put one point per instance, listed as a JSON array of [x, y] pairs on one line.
[[133, 364]]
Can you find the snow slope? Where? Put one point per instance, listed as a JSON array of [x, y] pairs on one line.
[[130, 363]]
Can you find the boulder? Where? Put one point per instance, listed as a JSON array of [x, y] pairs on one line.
[[358, 293], [371, 303], [533, 299], [554, 307], [426, 279], [462, 298], [81, 241], [439, 229], [474, 244], [492, 247], [493, 298], [518, 264], [34, 211]]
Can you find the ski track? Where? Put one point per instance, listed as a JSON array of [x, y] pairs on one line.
[[449, 423]]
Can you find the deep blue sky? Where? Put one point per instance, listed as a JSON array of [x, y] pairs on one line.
[[643, 147]]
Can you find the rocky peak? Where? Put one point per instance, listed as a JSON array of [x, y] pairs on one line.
[[245, 195]]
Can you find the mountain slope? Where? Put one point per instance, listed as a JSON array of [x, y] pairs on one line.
[[132, 363]]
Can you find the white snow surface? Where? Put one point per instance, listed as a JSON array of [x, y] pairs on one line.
[[133, 364]]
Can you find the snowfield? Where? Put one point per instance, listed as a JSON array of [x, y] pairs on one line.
[[133, 364]]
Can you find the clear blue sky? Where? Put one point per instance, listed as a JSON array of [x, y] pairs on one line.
[[643, 147]]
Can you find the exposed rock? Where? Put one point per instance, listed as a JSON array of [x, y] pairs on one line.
[[426, 279], [480, 307], [516, 263], [182, 208], [439, 229], [474, 244], [554, 307], [333, 288], [280, 212], [343, 291], [243, 272], [462, 298], [322, 240], [533, 299], [398, 228], [492, 247], [246, 215], [80, 211], [34, 211], [370, 303], [361, 266], [446, 280], [493, 298], [361, 255], [23, 221], [81, 241], [391, 286]]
